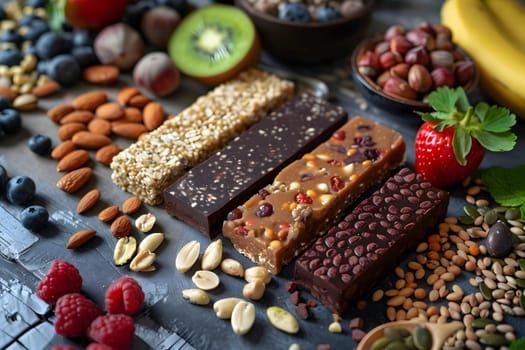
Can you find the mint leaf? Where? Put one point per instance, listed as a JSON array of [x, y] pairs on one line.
[[506, 185], [518, 344], [497, 119], [495, 142], [443, 99], [461, 144]]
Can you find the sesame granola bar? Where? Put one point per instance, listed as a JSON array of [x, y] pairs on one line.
[[151, 164]]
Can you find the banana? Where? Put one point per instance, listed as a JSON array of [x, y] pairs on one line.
[[500, 61], [507, 14]]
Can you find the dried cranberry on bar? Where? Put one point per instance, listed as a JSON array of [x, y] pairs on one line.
[[311, 194]]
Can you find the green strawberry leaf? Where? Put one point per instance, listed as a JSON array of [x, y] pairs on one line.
[[497, 119], [55, 12], [462, 102], [461, 144], [481, 110], [495, 142], [506, 185], [518, 344], [522, 211], [443, 99], [434, 117]]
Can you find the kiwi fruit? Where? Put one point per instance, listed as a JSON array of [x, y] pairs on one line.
[[214, 43]]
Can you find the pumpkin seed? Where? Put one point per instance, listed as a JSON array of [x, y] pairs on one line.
[[471, 211], [520, 282], [397, 345], [466, 220], [485, 291], [396, 333], [521, 263], [493, 340], [282, 319], [380, 343], [422, 338], [522, 301], [481, 322], [490, 217], [512, 214]]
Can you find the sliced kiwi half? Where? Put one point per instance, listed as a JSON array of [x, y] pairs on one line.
[[214, 43]]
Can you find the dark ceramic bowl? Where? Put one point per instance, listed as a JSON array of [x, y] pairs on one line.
[[375, 95], [310, 42]]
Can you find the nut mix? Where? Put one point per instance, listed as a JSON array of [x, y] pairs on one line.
[[410, 63]]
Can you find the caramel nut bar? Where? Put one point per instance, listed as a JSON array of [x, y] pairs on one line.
[[203, 196], [311, 194], [360, 250], [153, 163]]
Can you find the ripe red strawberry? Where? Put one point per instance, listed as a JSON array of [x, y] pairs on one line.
[[115, 331], [435, 158], [62, 278], [74, 313], [63, 347], [450, 145], [124, 296], [98, 346]]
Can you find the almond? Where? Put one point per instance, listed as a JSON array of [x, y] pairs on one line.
[[45, 89], [87, 139], [105, 154], [90, 100], [58, 112], [132, 115], [80, 238], [74, 180], [138, 101], [100, 126], [88, 201], [102, 74], [131, 205], [25, 102], [73, 160], [109, 111], [77, 117], [108, 214], [121, 227], [129, 130], [67, 131], [63, 149], [9, 93], [153, 115], [126, 94]]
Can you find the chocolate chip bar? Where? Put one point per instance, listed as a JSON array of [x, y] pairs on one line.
[[308, 196], [203, 196], [371, 240], [153, 163]]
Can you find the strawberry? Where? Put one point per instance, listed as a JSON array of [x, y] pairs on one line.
[[450, 145]]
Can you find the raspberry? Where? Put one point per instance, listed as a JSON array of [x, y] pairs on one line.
[[63, 347], [113, 330], [74, 313], [62, 278], [98, 346], [124, 296]]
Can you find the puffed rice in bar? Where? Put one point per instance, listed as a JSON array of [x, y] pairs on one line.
[[148, 166]]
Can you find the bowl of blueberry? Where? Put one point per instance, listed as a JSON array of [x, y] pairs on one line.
[[309, 31]]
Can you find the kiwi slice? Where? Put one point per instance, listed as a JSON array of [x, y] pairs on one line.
[[214, 43]]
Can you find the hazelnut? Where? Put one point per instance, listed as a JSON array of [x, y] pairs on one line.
[[381, 48], [398, 87], [425, 27], [442, 77], [420, 38], [417, 55], [400, 45], [388, 60], [394, 31], [463, 72], [442, 58], [400, 70], [443, 42], [370, 59], [381, 80], [419, 78], [441, 29]]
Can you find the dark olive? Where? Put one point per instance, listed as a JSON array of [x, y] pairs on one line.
[[499, 240]]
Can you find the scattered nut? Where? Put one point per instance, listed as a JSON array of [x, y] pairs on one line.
[[282, 320], [124, 250], [151, 242], [223, 308], [121, 227], [257, 273], [254, 290], [206, 280], [131, 205], [212, 256], [196, 296], [187, 256], [108, 213], [143, 262], [243, 317], [145, 222], [232, 267], [335, 327], [80, 238]]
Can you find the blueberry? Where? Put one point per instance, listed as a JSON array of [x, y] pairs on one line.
[[34, 217], [4, 103], [295, 12], [26, 20], [3, 179], [2, 13], [134, 13], [85, 56], [50, 44], [82, 38], [11, 36], [29, 50], [327, 13], [36, 29], [41, 66], [10, 121], [10, 57], [64, 69], [181, 6], [67, 39], [20, 189], [39, 144], [37, 3]]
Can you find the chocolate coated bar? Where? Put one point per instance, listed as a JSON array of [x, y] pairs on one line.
[[204, 195], [371, 241], [310, 195]]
